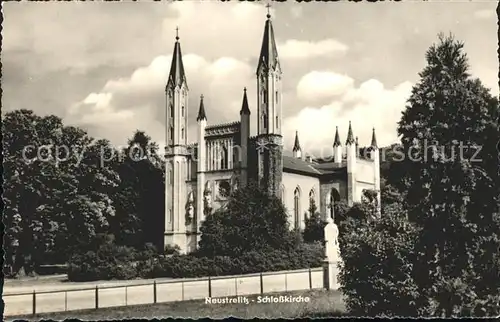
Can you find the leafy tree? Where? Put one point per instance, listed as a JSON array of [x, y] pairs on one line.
[[250, 221], [140, 197], [377, 273], [314, 225], [55, 197], [451, 196]]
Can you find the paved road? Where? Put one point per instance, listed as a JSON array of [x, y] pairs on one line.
[[167, 291]]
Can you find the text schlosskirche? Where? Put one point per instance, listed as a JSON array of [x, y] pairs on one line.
[[264, 299]]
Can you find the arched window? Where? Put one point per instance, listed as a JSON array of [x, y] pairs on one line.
[[312, 202], [170, 177], [277, 123], [182, 133], [277, 97], [171, 135], [296, 208], [182, 111], [224, 156], [334, 197]]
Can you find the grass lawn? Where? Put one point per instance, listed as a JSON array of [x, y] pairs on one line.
[[322, 303]]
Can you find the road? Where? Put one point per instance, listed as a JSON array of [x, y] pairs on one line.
[[121, 293]]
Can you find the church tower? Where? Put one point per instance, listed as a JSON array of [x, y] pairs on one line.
[[269, 114], [176, 153]]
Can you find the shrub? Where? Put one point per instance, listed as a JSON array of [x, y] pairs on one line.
[[250, 221], [109, 261], [314, 225], [377, 276]]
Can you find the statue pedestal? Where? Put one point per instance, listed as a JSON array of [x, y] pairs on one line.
[[332, 259], [331, 270]]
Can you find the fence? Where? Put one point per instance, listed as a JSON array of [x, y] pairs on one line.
[[158, 292]]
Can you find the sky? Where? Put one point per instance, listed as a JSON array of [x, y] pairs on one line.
[[103, 65]]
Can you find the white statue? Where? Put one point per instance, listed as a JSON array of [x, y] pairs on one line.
[[332, 250]]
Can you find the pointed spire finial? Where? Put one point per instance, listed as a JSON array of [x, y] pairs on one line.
[[296, 144], [374, 139], [201, 112], [350, 135], [268, 5], [337, 138], [177, 33], [245, 110]]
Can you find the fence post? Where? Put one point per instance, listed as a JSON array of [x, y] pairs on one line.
[[34, 302], [126, 289], [182, 290], [286, 288], [209, 287], [236, 285], [310, 279], [154, 292], [65, 301], [261, 284], [96, 297]]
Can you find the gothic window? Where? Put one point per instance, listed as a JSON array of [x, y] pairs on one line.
[[296, 208], [264, 96], [264, 121], [311, 200], [224, 158], [182, 133], [276, 97], [171, 135], [182, 111], [170, 177], [334, 198], [277, 123], [171, 108]]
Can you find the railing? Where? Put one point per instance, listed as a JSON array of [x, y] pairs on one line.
[[158, 292]]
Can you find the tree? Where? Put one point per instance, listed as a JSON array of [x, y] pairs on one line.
[[55, 192], [314, 225], [141, 195], [451, 196], [250, 221], [377, 273]]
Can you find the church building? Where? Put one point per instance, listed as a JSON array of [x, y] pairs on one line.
[[201, 175]]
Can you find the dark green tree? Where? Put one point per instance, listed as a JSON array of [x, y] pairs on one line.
[[55, 192], [314, 225], [451, 190], [250, 221]]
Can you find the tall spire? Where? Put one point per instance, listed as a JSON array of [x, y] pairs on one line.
[[177, 75], [268, 52], [296, 144], [337, 138], [201, 112], [374, 139], [350, 136], [244, 106]]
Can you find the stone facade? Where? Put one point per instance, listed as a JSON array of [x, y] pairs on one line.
[[201, 175]]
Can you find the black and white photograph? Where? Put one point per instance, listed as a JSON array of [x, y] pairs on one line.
[[250, 159]]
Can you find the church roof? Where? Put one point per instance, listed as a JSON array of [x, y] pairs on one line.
[[296, 165], [177, 76], [268, 52]]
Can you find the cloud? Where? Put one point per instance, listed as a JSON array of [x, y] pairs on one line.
[[317, 86], [296, 11], [484, 14], [367, 106], [297, 49], [137, 102]]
